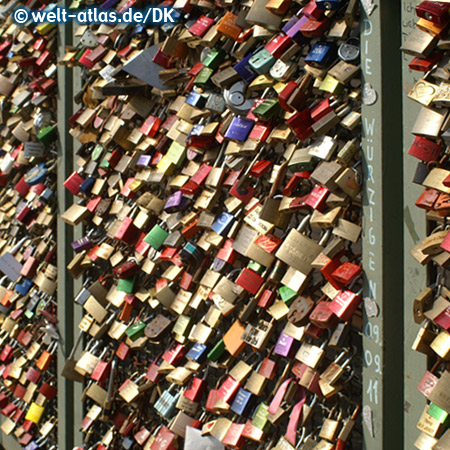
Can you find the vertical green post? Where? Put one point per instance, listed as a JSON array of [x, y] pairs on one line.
[[77, 284], [66, 418], [382, 227]]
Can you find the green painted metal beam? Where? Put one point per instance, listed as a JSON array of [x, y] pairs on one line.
[[66, 417], [382, 228]]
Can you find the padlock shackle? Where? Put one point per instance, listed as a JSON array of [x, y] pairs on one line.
[[304, 223], [111, 380], [325, 237], [302, 438]]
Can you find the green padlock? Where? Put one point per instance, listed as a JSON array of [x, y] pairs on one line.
[[217, 351], [203, 76], [126, 284], [261, 417], [79, 54], [136, 331], [156, 237], [438, 413], [287, 294], [47, 135], [104, 163], [39, 306], [268, 109], [255, 266], [214, 58], [97, 152]]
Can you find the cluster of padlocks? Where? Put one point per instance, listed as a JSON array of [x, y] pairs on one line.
[[219, 190], [28, 323], [431, 307]]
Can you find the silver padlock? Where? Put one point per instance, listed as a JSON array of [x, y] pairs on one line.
[[349, 51], [235, 98]]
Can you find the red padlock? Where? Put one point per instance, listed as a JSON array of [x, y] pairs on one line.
[[322, 316], [174, 354], [126, 270], [250, 281], [425, 150], [196, 389], [317, 198], [164, 440], [346, 273], [436, 12], [345, 304], [228, 389]]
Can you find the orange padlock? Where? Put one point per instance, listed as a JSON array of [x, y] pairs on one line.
[[232, 338], [46, 358]]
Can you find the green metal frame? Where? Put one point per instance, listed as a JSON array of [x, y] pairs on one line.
[[382, 229], [66, 396]]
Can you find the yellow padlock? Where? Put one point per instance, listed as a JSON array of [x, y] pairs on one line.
[[34, 413]]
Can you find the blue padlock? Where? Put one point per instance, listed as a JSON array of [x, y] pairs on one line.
[[244, 69], [37, 444], [24, 286], [239, 129], [222, 224], [242, 402], [87, 185], [197, 352], [167, 27], [36, 175], [196, 99], [128, 443], [219, 264], [46, 195], [322, 55], [108, 4]]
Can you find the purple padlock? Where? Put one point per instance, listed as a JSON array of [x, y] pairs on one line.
[[294, 31], [239, 129], [290, 23], [219, 264], [175, 202], [144, 160], [84, 243], [284, 345]]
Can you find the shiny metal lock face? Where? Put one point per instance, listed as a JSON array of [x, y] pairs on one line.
[[282, 71], [89, 39], [235, 98], [42, 120], [349, 51], [215, 103]]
